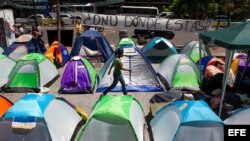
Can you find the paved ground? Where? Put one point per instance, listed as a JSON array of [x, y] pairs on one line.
[[86, 101]]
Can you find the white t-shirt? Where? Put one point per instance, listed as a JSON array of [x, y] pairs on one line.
[[21, 30]]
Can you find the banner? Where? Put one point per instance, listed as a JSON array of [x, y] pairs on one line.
[[146, 22]]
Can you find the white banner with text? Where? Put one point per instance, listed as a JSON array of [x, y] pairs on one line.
[[146, 22]]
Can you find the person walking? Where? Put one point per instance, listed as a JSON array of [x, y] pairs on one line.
[[117, 74]]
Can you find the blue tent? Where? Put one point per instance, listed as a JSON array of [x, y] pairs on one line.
[[47, 117], [37, 105], [24, 45], [158, 48], [94, 41], [143, 77], [204, 61], [187, 121], [196, 111]]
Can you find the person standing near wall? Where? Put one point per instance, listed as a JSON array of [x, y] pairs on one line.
[[78, 28]]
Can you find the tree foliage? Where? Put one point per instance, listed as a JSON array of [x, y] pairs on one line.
[[203, 9]]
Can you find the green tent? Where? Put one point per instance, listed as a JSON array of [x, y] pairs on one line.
[[232, 38], [192, 50], [30, 73], [114, 118], [125, 42], [180, 72]]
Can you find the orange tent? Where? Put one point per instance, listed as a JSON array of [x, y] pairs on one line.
[[57, 51], [5, 105]]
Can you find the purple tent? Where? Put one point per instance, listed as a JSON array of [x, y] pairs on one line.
[[77, 76], [241, 66]]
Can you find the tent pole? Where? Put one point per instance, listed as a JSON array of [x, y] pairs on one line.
[[129, 68], [229, 57], [58, 27], [200, 43], [34, 10]]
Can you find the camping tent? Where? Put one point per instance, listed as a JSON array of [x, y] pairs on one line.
[[24, 45], [232, 38], [239, 117], [91, 43], [57, 50], [5, 105], [192, 49], [187, 121], [30, 73], [79, 76], [180, 72], [142, 78], [116, 118], [158, 48], [7, 65], [41, 117], [125, 42]]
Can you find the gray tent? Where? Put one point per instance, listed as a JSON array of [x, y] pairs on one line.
[[143, 77], [239, 117], [7, 65]]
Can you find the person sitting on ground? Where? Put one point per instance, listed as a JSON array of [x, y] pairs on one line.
[[117, 74]]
